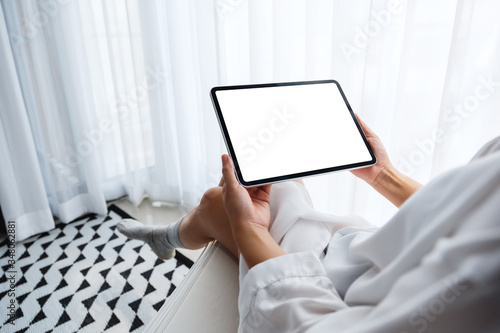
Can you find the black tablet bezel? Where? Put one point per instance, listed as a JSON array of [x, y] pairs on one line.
[[259, 182]]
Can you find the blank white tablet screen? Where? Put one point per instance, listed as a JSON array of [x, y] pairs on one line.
[[278, 131]]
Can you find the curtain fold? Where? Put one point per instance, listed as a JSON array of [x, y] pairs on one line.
[[22, 193], [102, 99], [116, 94]]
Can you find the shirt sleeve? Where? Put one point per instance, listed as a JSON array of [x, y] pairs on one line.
[[433, 268], [285, 294], [458, 279]]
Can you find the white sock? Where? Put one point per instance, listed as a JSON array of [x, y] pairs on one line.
[[162, 240]]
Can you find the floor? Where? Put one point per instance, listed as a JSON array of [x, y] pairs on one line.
[[156, 214], [151, 214], [86, 277]]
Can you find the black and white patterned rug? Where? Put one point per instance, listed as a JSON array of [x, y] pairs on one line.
[[85, 276]]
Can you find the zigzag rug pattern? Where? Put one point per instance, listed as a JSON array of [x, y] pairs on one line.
[[85, 276]]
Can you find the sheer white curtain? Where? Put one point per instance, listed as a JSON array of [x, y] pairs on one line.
[[110, 98], [409, 69], [114, 101]]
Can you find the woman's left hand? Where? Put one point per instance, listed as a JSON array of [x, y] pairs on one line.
[[250, 214]]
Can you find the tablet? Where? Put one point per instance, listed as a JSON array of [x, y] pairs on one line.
[[280, 131]]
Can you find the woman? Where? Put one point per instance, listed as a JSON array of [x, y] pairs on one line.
[[433, 267]]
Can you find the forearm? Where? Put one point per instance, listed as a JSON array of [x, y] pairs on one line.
[[395, 186], [256, 245]]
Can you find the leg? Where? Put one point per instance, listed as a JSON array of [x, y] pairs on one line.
[[204, 223], [207, 222]]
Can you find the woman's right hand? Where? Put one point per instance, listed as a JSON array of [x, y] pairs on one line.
[[372, 174], [383, 176]]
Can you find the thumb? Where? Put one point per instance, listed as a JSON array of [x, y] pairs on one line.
[[230, 180]]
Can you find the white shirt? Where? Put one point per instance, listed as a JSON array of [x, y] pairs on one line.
[[434, 267]]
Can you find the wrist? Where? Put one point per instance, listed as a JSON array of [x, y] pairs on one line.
[[387, 173], [394, 185], [256, 244], [243, 233]]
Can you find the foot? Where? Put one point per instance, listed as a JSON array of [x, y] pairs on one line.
[[162, 240]]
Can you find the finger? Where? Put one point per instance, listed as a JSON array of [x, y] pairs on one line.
[[230, 180], [365, 127], [221, 182], [266, 188]]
